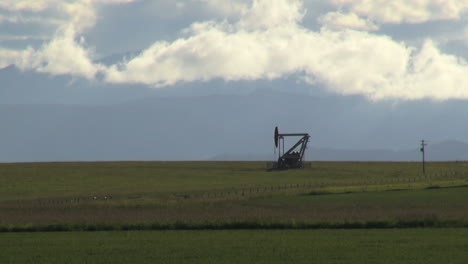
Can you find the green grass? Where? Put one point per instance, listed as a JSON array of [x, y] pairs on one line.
[[42, 196], [25, 181], [425, 246], [445, 207], [233, 212]]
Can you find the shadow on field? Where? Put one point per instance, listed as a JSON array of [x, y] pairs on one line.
[[446, 187], [434, 187]]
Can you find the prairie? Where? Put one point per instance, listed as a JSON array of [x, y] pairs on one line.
[[171, 195], [233, 212]]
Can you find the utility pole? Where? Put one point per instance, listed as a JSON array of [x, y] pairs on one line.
[[423, 144]]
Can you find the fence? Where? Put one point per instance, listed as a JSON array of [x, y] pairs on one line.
[[239, 193]]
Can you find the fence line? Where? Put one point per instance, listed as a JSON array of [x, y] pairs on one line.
[[256, 190]]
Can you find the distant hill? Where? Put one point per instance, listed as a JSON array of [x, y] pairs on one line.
[[202, 128], [443, 151], [29, 87], [47, 118]]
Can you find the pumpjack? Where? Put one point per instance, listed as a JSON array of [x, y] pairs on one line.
[[293, 158]]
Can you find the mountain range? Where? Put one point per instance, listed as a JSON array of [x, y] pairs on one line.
[[59, 118]]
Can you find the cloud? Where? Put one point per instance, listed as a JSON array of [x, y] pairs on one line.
[[440, 75], [21, 38], [227, 7], [219, 50], [19, 19], [211, 53], [346, 61], [41, 5], [381, 69], [463, 36], [66, 52], [8, 57], [267, 41], [62, 55], [405, 11], [270, 14], [338, 20], [29, 5]]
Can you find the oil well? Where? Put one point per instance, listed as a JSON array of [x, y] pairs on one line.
[[293, 157]]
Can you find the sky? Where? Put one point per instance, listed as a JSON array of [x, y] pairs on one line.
[[382, 50], [126, 79]]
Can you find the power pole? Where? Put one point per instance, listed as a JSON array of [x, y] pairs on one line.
[[423, 144]]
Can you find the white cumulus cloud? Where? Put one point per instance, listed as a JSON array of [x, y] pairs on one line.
[[66, 52], [405, 11], [339, 20], [346, 61], [268, 14], [63, 55]]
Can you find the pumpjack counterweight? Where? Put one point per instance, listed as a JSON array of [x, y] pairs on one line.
[[293, 158]]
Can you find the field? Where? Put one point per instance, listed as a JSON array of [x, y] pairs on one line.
[[177, 212], [425, 246], [160, 195]]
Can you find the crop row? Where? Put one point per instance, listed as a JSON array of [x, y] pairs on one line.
[[224, 225]]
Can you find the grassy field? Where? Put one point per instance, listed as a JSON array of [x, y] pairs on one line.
[[26, 181], [159, 195], [425, 246], [233, 212]]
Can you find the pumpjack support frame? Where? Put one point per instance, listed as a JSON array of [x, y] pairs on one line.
[[293, 158]]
